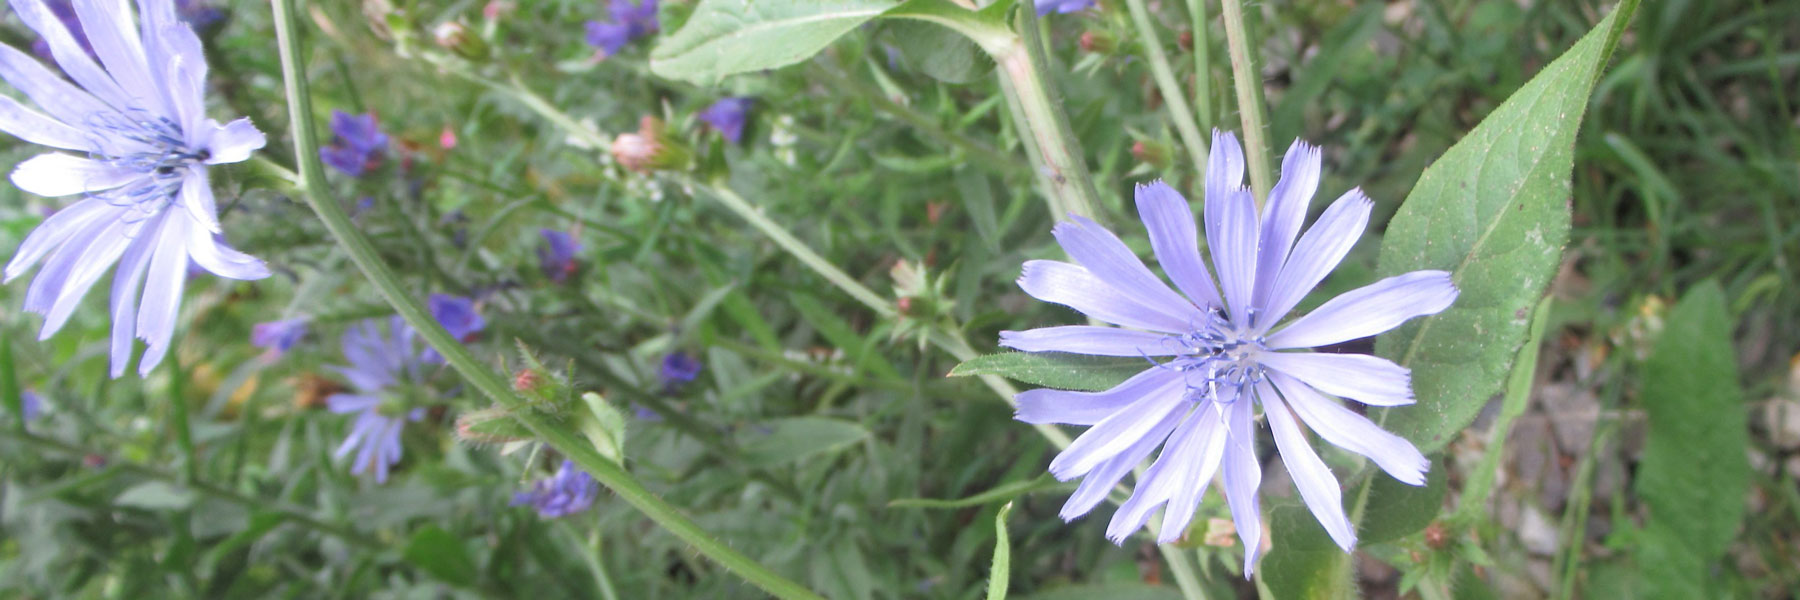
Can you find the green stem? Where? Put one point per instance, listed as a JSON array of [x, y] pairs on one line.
[[553, 432], [1173, 98], [1021, 64], [799, 250], [1202, 66], [1183, 570], [1248, 81]]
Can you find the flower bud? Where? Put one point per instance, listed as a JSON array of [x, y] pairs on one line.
[[650, 149], [492, 425], [453, 36], [1186, 39], [1151, 153], [1099, 42]]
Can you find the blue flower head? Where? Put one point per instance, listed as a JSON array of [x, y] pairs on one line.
[[630, 21], [277, 337], [557, 255], [138, 145], [1217, 351], [382, 365], [1045, 7], [728, 116], [678, 369], [457, 314], [357, 143], [569, 491]]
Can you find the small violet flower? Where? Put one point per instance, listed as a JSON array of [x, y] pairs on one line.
[[357, 143], [678, 369], [557, 255], [728, 116], [277, 337], [569, 491], [1222, 352], [139, 144], [380, 364], [458, 316], [29, 405], [1045, 7], [630, 21]]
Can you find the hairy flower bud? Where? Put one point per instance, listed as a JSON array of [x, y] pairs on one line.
[[650, 149], [455, 37]]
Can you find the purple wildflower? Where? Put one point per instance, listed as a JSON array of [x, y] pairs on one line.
[[630, 21], [1223, 352], [557, 255], [140, 146], [379, 364], [356, 145], [457, 314], [1045, 7], [29, 405], [569, 491], [678, 369], [728, 116], [277, 337]]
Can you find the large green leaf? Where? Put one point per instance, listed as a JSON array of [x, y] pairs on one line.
[[1058, 370], [1695, 475], [1494, 212], [725, 37], [1396, 510], [1303, 563]]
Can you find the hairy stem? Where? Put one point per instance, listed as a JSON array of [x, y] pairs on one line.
[[555, 433], [1064, 166], [1246, 77]]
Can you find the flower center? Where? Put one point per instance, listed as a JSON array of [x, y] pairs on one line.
[[152, 146], [1219, 358]]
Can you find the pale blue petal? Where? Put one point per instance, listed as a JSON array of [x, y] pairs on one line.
[[1045, 405], [1109, 259], [349, 403], [1369, 310], [1285, 211], [1243, 475], [1318, 487], [1224, 169], [1319, 251], [1164, 477], [95, 261], [55, 174], [70, 55], [1172, 236], [1345, 429], [234, 141], [162, 292], [359, 430], [1100, 481], [127, 280], [1231, 232], [1075, 287], [1116, 433], [38, 128], [1087, 339], [57, 230], [48, 285], [108, 25], [1367, 379], [47, 89], [196, 196], [212, 254], [1199, 467]]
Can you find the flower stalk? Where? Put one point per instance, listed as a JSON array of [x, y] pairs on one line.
[[1247, 79], [557, 435], [1173, 98]]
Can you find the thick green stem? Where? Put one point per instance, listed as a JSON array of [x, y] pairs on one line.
[[1064, 167], [1173, 97], [1246, 77], [553, 432]]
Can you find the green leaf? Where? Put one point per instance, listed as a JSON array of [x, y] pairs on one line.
[[725, 37], [939, 52], [441, 554], [1058, 370], [788, 440], [1303, 564], [1494, 212], [157, 495], [1002, 566], [1396, 510], [1694, 475], [1003, 492]]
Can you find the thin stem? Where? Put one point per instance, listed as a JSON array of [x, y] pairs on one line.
[[799, 250], [1248, 81], [1173, 98], [1183, 570], [1202, 66], [551, 431], [1021, 61]]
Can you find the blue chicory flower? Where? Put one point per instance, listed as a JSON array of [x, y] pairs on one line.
[[356, 145], [1045, 7], [630, 21], [380, 364], [569, 491], [678, 369], [728, 116], [1224, 353], [277, 337], [141, 144], [557, 255]]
